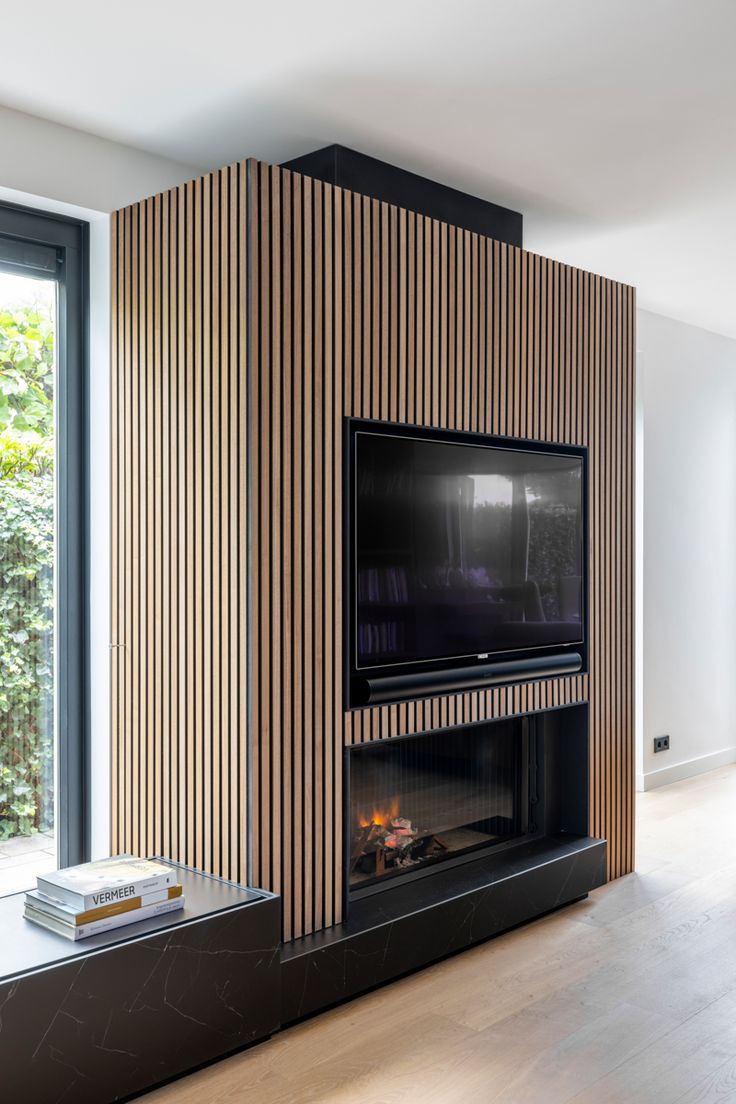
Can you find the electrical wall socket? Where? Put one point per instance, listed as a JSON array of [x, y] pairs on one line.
[[661, 743]]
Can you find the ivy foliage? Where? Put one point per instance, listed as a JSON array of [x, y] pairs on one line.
[[26, 569]]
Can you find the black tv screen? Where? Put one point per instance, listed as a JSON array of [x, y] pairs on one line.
[[464, 547]]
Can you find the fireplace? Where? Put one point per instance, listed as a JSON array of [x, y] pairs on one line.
[[422, 800], [451, 836], [417, 804]]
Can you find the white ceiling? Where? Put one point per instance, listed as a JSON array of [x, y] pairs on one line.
[[610, 125]]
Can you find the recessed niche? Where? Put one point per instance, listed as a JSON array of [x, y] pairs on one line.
[[418, 803]]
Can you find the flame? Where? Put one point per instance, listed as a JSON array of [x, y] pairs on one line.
[[381, 817]]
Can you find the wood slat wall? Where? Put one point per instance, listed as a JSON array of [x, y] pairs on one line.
[[353, 307], [180, 525]]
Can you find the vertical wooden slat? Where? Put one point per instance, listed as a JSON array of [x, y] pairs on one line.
[[217, 372], [273, 512], [340, 374], [243, 316], [285, 497], [182, 399], [157, 827], [148, 551], [116, 528], [136, 747], [297, 329], [128, 497], [208, 522], [222, 718], [307, 666], [329, 491], [261, 489]]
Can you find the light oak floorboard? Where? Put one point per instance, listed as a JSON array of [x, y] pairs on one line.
[[628, 996]]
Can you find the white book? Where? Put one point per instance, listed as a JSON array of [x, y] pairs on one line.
[[106, 881], [41, 903], [98, 927]]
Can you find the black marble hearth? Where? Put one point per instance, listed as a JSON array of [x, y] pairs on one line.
[[105, 1018], [411, 925]]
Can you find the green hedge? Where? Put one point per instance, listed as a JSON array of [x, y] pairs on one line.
[[26, 571]]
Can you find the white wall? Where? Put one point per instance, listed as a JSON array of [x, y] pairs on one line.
[[54, 162], [55, 168], [687, 485]]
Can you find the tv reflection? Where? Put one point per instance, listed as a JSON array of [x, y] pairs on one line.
[[464, 551]]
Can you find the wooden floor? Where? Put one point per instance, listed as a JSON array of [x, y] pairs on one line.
[[629, 996]]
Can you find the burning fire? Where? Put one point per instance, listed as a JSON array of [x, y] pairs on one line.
[[380, 817]]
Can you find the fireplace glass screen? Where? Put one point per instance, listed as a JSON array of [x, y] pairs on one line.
[[427, 799]]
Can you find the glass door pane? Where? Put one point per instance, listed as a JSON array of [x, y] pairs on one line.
[[27, 591], [422, 800]]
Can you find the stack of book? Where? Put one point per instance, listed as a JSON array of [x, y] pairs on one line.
[[100, 896]]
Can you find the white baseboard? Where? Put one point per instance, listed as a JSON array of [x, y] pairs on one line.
[[651, 780]]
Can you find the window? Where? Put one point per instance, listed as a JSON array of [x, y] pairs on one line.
[[43, 525]]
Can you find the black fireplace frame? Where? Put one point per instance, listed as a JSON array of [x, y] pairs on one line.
[[577, 785], [429, 868]]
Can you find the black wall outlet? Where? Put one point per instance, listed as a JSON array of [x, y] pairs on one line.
[[661, 743]]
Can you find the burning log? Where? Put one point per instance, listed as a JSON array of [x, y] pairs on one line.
[[359, 848], [388, 841]]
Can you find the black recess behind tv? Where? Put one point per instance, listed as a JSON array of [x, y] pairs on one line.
[[465, 561]]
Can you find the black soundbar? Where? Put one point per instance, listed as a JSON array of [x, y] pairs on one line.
[[454, 680]]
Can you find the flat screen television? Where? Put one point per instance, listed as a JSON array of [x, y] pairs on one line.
[[466, 561]]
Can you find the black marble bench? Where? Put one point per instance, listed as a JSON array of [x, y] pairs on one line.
[[108, 1017]]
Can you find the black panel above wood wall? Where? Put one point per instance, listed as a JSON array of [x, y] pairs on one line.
[[368, 176]]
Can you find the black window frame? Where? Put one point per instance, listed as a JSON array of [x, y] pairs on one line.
[[36, 242]]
